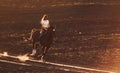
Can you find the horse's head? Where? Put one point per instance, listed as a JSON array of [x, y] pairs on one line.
[[49, 31]]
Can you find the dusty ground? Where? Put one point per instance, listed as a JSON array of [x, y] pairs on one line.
[[85, 36]]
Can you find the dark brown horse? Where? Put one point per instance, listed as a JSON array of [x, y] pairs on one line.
[[44, 40]]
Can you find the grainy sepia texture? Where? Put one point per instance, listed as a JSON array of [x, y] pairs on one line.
[[87, 33]]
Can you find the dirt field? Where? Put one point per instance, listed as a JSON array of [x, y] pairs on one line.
[[86, 36]]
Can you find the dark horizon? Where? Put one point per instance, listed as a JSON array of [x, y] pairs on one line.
[[31, 4]]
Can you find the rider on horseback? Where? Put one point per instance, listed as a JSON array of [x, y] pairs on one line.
[[43, 37]]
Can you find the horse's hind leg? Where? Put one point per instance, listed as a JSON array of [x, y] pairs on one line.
[[33, 52], [37, 55], [34, 49]]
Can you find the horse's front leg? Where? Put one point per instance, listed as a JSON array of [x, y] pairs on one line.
[[44, 51]]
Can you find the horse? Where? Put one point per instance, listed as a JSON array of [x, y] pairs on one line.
[[44, 40]]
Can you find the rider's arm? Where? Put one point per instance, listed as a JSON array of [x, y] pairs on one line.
[[42, 19]]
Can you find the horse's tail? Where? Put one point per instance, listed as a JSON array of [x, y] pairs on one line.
[[25, 39]]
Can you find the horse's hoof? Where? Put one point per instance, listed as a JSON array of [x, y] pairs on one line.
[[42, 59], [33, 52]]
